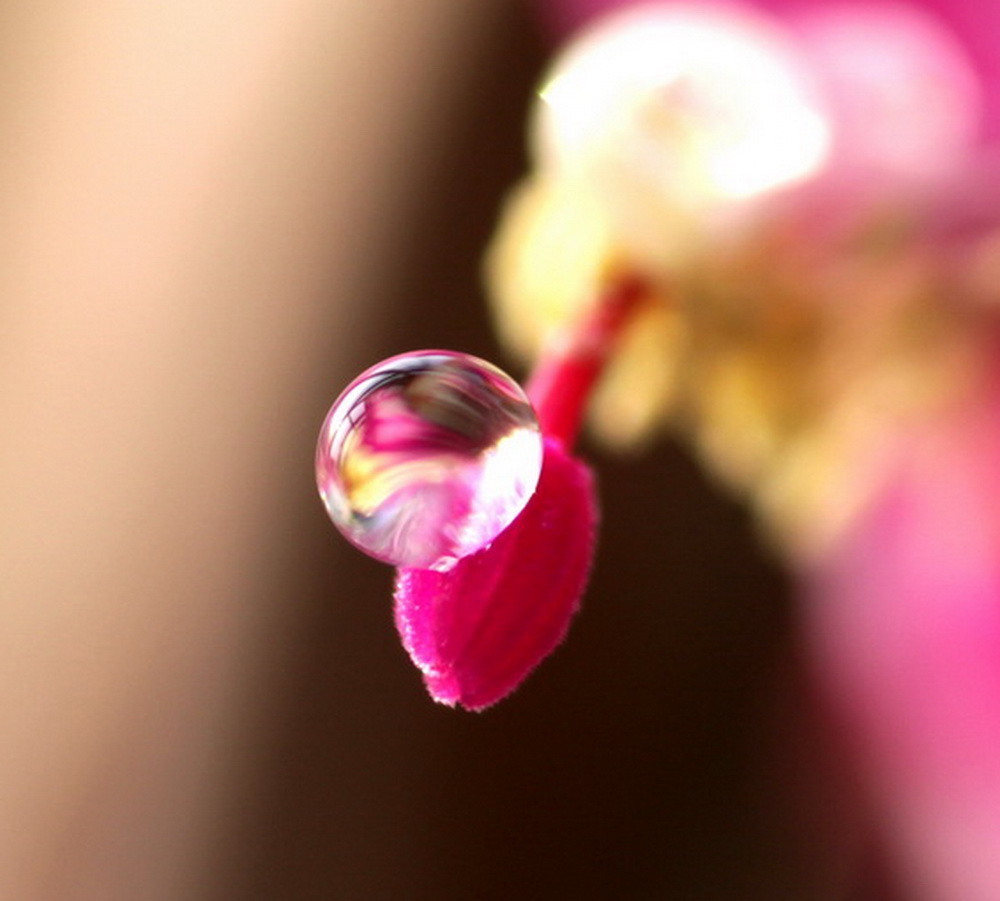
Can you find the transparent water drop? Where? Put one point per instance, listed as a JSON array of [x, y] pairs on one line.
[[426, 457]]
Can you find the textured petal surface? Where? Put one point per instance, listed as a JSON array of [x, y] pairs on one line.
[[479, 629]]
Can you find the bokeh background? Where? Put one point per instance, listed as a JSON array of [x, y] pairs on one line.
[[213, 216]]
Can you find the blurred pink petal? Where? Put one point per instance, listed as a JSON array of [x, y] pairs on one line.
[[905, 629], [477, 630], [975, 23], [904, 96]]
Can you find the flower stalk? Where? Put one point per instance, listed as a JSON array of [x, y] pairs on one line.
[[564, 378], [478, 629]]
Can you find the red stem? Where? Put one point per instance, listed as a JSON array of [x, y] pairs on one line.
[[561, 384]]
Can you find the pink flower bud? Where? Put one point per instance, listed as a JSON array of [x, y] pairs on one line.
[[477, 630]]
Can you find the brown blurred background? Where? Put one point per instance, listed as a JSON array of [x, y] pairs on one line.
[[215, 216]]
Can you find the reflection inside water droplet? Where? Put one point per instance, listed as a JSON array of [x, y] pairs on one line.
[[426, 457]]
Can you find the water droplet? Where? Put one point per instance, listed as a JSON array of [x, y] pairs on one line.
[[426, 457]]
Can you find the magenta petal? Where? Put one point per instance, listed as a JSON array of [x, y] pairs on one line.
[[477, 630], [905, 630]]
